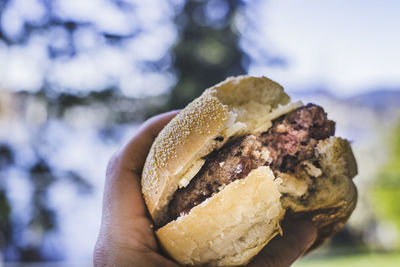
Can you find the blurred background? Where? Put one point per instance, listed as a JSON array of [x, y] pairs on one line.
[[77, 77]]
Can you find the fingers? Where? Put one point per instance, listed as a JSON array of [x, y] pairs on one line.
[[283, 250]]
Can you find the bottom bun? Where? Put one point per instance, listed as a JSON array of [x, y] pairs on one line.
[[229, 228]]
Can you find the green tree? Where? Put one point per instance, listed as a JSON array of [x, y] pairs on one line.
[[208, 48]]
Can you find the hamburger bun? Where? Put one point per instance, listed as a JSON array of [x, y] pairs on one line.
[[232, 225]]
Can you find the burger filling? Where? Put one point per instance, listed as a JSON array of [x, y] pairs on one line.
[[290, 141]]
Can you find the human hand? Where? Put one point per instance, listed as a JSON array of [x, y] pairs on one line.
[[126, 236], [282, 251]]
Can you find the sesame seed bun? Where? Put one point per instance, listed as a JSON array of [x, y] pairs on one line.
[[233, 225]]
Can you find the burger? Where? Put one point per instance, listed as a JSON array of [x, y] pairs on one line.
[[237, 163]]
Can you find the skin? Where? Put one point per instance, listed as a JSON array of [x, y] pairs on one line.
[[126, 236]]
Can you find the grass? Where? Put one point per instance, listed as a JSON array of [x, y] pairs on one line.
[[353, 260]]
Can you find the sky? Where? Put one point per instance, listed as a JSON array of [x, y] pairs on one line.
[[345, 47], [348, 46]]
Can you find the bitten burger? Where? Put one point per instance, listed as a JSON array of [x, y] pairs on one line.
[[237, 163]]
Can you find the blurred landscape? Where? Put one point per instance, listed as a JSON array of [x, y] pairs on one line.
[[78, 77]]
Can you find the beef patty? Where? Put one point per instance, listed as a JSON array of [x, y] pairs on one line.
[[291, 140]]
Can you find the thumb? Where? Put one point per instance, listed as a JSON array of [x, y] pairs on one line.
[[283, 250]]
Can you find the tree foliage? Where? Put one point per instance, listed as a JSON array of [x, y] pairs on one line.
[[208, 48]]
